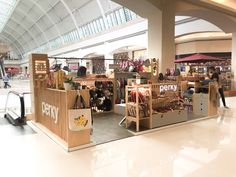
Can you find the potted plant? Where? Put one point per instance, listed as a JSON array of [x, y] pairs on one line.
[[68, 83]]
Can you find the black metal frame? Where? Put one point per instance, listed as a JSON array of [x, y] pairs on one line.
[[21, 120]]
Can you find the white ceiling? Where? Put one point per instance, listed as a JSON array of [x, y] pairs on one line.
[[36, 22]]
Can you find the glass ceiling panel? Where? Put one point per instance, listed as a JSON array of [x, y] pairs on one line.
[[6, 8]]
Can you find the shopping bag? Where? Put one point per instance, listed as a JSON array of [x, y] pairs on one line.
[[79, 119]]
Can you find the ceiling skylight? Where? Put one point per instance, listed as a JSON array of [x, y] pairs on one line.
[[6, 9]]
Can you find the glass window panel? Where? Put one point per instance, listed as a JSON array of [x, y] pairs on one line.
[[95, 27], [81, 33], [133, 15], [98, 25], [72, 35], [109, 21], [85, 31], [118, 17], [89, 28], [113, 17], [76, 35], [102, 23], [127, 14], [122, 15]]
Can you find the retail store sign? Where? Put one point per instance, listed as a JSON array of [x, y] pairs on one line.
[[168, 88], [50, 111]]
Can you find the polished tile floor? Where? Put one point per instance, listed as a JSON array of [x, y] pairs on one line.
[[201, 149], [106, 128]]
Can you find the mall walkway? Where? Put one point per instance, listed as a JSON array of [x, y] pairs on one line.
[[202, 149]]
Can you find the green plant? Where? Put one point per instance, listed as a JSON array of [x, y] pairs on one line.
[[68, 80]]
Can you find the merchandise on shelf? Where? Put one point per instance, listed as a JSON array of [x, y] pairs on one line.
[[101, 91], [139, 106]]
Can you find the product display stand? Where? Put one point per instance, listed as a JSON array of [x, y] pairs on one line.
[[139, 106], [122, 78], [166, 103], [103, 88]]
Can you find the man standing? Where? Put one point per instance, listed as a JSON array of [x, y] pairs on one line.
[[216, 76]]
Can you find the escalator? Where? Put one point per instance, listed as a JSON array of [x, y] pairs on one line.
[[2, 68], [15, 108]]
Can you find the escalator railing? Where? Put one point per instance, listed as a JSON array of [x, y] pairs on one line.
[[2, 69], [15, 108]]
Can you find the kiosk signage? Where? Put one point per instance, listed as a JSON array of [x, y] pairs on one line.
[[51, 111], [168, 87]]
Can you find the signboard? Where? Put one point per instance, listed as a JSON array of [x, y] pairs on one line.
[[40, 67], [50, 111], [168, 87]]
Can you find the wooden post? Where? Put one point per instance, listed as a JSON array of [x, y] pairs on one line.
[[154, 70], [39, 68]]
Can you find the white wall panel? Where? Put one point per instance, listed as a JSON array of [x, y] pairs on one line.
[[195, 26]]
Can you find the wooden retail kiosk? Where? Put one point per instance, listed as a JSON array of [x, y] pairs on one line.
[[160, 104], [51, 106], [145, 98]]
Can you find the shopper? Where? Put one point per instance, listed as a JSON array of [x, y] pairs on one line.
[[6, 81], [215, 75]]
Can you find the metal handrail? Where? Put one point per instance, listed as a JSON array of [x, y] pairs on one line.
[[21, 97]]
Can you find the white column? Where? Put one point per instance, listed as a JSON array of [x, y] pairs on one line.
[[233, 61], [161, 36]]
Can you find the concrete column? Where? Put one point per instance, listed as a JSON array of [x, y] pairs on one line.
[[161, 35], [233, 61]]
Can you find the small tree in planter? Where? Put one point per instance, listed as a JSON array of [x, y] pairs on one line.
[[68, 83]]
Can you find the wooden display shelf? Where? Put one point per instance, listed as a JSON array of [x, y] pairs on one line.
[[145, 121], [90, 81]]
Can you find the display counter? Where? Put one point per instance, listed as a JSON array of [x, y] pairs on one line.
[[52, 108], [205, 104]]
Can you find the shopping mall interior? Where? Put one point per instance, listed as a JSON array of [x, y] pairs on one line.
[[117, 88]]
